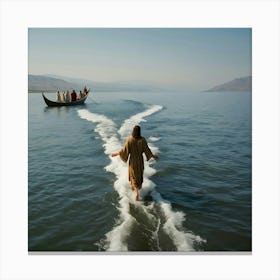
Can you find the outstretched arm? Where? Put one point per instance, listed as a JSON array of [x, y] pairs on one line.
[[148, 151], [124, 152], [155, 157], [115, 154]]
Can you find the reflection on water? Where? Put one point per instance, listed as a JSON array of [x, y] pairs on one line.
[[63, 108]]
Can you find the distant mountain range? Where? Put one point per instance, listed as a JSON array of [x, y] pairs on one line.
[[240, 84], [53, 83], [50, 82], [44, 83]]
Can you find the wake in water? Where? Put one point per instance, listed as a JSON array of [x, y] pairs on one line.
[[141, 225]]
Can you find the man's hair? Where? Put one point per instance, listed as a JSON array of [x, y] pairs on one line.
[[136, 132]]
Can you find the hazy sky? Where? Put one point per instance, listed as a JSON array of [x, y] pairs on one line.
[[190, 58]]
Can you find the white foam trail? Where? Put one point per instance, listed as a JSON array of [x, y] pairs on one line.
[[128, 124], [116, 238], [174, 219], [105, 127]]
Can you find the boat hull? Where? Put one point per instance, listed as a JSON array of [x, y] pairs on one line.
[[51, 103]]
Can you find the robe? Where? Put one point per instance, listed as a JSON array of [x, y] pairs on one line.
[[134, 149]]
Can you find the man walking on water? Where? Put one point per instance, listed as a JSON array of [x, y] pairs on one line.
[[135, 146]]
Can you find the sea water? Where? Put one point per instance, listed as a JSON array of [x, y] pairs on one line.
[[196, 197]]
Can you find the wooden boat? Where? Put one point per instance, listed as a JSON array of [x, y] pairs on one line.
[[58, 104]]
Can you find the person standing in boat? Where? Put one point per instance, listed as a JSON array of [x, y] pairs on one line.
[[73, 96], [85, 90], [80, 95], [134, 147], [67, 97], [63, 96], [58, 97]]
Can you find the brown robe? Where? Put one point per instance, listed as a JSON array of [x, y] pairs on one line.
[[135, 147]]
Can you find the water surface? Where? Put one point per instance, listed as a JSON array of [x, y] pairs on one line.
[[196, 197]]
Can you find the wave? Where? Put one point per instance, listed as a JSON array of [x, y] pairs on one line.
[[159, 212], [125, 129], [105, 127], [154, 139]]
